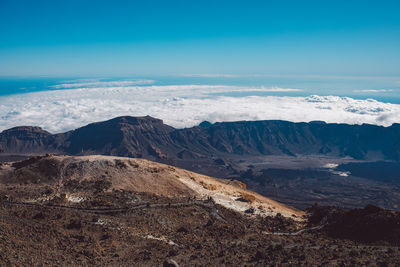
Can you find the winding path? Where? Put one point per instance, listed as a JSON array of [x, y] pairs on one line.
[[210, 204]]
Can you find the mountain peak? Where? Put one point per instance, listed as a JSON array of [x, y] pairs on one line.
[[137, 120], [26, 129]]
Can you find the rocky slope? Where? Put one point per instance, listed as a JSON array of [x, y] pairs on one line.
[[77, 178], [112, 211]]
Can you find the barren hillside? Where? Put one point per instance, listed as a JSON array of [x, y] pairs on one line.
[[112, 211], [42, 179]]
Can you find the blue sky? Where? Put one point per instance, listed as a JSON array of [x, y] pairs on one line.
[[120, 38]]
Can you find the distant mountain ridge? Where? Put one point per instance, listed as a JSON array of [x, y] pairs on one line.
[[150, 138]]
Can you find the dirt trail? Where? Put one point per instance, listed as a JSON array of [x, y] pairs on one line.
[[209, 204]]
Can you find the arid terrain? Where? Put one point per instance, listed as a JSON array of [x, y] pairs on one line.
[[100, 210], [294, 163]]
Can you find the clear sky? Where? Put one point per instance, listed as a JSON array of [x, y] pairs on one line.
[[147, 37]]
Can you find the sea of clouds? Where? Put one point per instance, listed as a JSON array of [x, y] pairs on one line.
[[76, 104]]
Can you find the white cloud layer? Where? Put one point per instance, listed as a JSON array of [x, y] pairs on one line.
[[95, 83], [183, 106], [211, 75], [374, 91]]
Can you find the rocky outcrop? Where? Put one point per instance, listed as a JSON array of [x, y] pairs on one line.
[[370, 224], [25, 139]]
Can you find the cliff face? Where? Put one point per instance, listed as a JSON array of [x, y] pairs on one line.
[[287, 138], [150, 138]]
